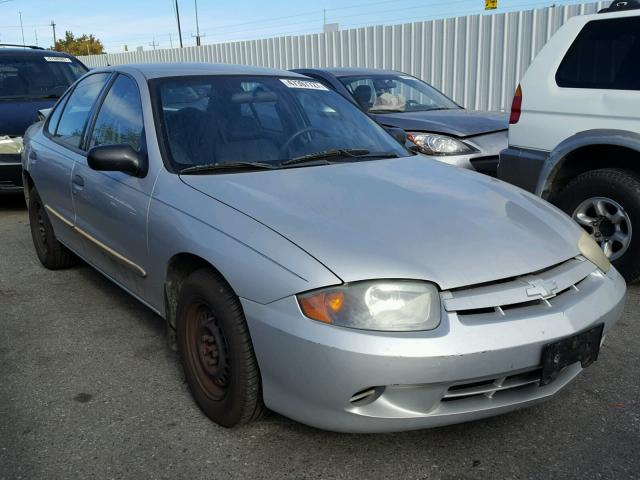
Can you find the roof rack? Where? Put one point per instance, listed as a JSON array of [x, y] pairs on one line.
[[33, 47], [620, 6]]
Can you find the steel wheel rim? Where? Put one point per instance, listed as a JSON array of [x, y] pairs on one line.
[[41, 234], [207, 350], [608, 224]]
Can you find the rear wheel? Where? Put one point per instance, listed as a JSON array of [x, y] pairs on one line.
[[216, 351], [606, 203], [52, 254]]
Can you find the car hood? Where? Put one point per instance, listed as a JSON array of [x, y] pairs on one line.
[[459, 122], [411, 218], [17, 115]]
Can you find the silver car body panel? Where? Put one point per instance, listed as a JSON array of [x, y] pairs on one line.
[[403, 218], [273, 234], [310, 371]]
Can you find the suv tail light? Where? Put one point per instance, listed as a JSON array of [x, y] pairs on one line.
[[516, 106]]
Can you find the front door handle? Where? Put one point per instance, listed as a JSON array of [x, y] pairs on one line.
[[78, 183]]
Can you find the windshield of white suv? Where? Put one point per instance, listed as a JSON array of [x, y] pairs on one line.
[[34, 76], [396, 93], [259, 122]]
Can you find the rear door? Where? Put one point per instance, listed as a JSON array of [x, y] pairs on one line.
[[111, 207], [52, 155]]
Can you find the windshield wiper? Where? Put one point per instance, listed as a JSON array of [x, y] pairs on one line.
[[387, 110], [213, 167], [29, 97], [325, 155]]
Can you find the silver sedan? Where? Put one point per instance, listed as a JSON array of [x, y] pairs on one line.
[[304, 260]]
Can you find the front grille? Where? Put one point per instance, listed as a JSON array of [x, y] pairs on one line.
[[536, 290], [492, 387]]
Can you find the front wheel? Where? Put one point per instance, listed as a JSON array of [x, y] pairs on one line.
[[216, 350], [606, 203]]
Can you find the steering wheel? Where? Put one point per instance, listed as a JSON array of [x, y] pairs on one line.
[[285, 146]]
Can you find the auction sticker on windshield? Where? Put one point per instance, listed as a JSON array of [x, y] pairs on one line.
[[308, 84], [58, 59]]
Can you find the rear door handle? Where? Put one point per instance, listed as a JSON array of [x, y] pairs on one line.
[[78, 183]]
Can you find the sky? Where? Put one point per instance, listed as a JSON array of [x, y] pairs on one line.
[[152, 23]]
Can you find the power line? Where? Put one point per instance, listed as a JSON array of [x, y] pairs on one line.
[[239, 34]]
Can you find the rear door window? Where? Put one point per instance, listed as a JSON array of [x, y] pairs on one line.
[[78, 108], [605, 55]]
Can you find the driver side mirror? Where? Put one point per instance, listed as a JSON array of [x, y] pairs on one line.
[[399, 134], [118, 158]]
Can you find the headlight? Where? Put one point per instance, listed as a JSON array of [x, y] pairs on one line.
[[10, 145], [592, 251], [385, 305], [435, 144]]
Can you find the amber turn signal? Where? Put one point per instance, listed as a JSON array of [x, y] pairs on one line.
[[322, 305]]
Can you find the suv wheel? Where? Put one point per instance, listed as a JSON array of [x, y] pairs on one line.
[[606, 203], [216, 351]]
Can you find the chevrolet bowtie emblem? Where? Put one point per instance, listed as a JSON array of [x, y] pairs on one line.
[[542, 288]]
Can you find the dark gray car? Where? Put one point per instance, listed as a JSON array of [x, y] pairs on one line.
[[436, 125]]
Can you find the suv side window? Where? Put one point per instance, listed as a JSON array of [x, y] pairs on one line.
[[119, 120], [76, 111], [604, 56]]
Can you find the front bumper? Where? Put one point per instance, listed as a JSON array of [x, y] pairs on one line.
[[522, 167], [10, 173], [485, 157], [311, 371]]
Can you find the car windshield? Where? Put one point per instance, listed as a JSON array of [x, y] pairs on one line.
[[37, 76], [264, 121], [396, 93]]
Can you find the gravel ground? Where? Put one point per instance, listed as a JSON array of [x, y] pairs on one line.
[[88, 389]]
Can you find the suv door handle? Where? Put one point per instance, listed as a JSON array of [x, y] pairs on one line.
[[78, 183]]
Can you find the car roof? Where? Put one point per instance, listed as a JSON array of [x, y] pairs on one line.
[[35, 52], [351, 72], [162, 70]]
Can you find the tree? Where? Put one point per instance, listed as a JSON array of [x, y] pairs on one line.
[[82, 45]]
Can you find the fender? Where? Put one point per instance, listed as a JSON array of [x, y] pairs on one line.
[[558, 156]]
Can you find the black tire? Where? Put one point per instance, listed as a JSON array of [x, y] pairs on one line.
[[52, 254], [621, 186], [222, 371]]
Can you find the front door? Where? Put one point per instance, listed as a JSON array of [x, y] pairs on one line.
[[111, 207]]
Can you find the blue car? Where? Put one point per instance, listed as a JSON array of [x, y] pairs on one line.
[[31, 80], [435, 125]]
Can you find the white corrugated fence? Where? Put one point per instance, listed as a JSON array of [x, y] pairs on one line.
[[477, 60]]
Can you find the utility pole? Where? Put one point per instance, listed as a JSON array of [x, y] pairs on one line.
[[154, 44], [170, 40], [178, 19], [36, 34], [21, 28], [53, 25], [197, 25]]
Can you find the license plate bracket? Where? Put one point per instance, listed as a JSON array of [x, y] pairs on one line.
[[583, 347]]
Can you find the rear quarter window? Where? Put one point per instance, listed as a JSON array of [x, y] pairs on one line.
[[605, 55]]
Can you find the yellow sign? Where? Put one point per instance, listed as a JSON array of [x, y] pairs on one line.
[[490, 4]]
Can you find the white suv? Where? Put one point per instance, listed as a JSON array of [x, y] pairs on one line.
[[574, 137]]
